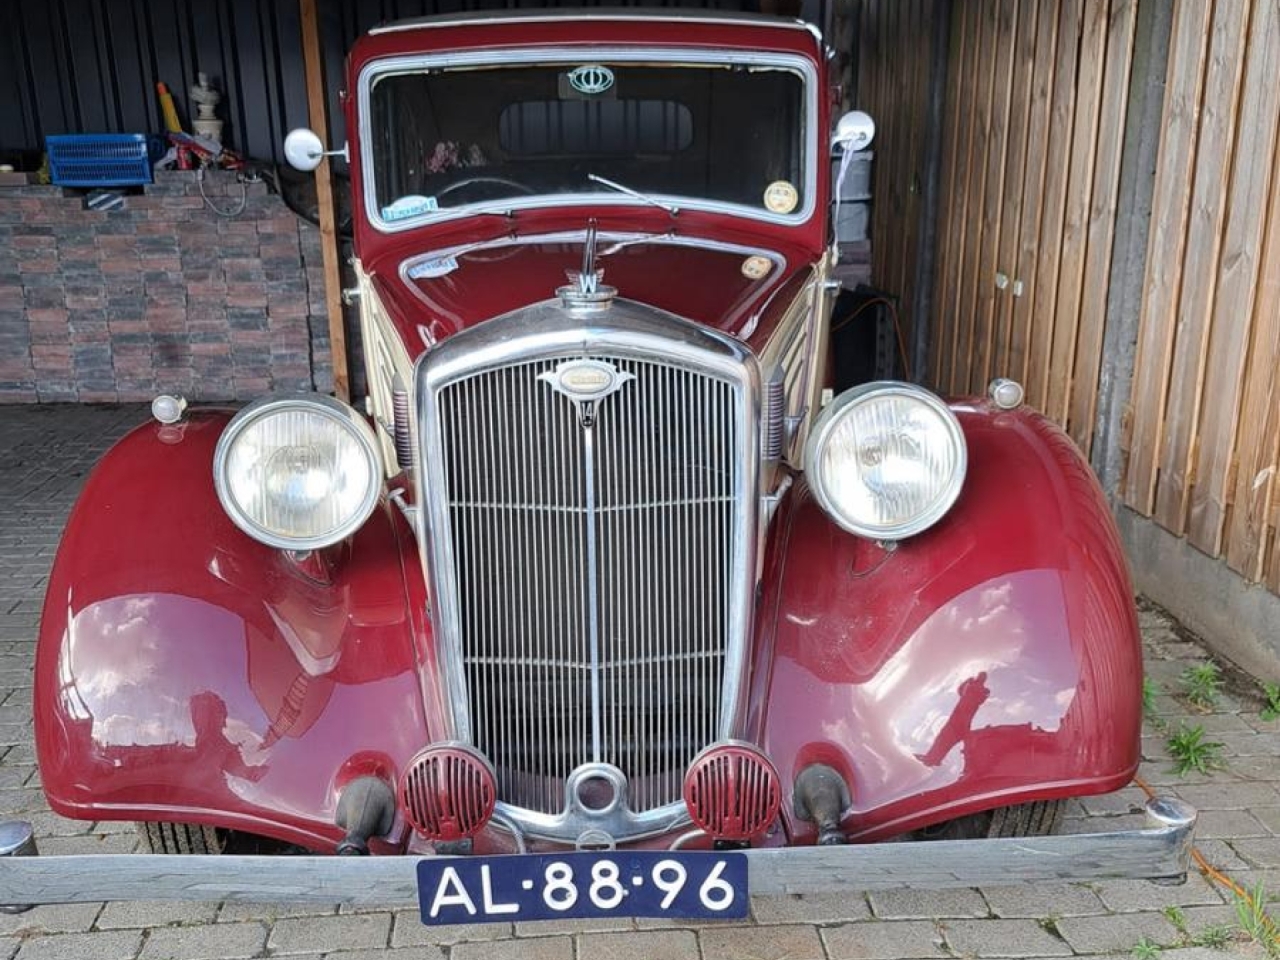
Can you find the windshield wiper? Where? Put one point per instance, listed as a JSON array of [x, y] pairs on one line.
[[669, 207]]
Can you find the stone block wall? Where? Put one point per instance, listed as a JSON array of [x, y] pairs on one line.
[[161, 295]]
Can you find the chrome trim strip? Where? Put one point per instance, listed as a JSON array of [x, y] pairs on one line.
[[815, 150], [1160, 851], [593, 589], [640, 15]]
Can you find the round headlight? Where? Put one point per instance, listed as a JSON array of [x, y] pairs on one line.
[[886, 460], [298, 473]]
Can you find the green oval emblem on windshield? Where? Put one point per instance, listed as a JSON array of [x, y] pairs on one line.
[[591, 79]]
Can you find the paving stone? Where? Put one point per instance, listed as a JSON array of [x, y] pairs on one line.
[[89, 843], [1222, 856], [1126, 896], [1128, 800], [639, 945], [1262, 852], [225, 941], [810, 908], [1043, 900], [160, 913], [235, 912], [1255, 768], [1269, 817], [1242, 795], [884, 940], [1197, 918], [1116, 932], [784, 942], [1250, 744], [545, 928], [53, 918], [1215, 723], [1003, 938], [113, 945], [530, 948], [910, 904], [1228, 825], [404, 953], [409, 930], [300, 935]]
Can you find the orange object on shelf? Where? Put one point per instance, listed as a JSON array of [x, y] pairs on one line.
[[171, 122]]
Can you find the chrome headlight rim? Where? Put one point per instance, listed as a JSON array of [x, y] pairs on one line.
[[346, 417], [830, 418]]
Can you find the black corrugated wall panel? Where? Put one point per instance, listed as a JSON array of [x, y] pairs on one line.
[[91, 66]]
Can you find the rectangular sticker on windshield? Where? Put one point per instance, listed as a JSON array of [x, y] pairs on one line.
[[436, 267], [410, 206]]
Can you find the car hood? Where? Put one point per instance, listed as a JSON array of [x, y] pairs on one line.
[[723, 283]]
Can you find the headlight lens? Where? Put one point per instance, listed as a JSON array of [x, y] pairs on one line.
[[886, 460], [298, 473]]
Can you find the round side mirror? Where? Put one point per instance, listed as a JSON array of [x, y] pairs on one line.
[[854, 132], [303, 149]]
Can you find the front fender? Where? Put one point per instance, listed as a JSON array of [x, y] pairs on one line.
[[186, 672], [991, 660]]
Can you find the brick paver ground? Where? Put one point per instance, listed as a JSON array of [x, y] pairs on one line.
[[44, 456]]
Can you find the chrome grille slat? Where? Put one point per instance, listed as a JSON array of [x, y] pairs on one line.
[[659, 523]]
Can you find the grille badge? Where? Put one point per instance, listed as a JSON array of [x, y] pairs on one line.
[[586, 383]]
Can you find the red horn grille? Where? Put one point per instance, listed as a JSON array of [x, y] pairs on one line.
[[732, 791], [448, 793]]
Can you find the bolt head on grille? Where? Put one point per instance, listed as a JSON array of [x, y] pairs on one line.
[[448, 792], [732, 791]]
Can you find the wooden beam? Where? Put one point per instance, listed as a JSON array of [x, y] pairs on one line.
[[313, 61]]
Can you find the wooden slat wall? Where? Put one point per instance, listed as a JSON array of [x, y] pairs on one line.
[[1032, 142], [1204, 419], [1035, 127], [894, 43]]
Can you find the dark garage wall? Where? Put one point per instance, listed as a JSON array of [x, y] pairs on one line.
[[72, 66], [92, 66]]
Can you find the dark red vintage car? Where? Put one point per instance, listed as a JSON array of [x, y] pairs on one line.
[[605, 576]]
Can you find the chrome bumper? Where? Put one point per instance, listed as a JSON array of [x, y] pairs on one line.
[[1161, 851]]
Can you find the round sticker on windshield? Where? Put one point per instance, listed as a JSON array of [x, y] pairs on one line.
[[591, 80], [781, 197], [756, 268]]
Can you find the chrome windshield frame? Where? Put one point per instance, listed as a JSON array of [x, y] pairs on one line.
[[814, 150]]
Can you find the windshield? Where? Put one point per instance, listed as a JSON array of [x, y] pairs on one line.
[[727, 134]]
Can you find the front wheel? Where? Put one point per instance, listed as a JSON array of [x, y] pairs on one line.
[[1038, 818]]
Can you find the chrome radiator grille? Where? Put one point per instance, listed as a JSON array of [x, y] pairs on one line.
[[593, 562]]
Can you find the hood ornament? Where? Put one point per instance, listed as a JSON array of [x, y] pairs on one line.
[[585, 292]]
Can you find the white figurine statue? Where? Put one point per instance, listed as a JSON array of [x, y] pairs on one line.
[[206, 99]]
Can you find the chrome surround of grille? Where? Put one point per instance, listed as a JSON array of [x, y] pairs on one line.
[[545, 331]]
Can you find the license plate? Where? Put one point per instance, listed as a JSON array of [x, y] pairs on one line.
[[683, 884]]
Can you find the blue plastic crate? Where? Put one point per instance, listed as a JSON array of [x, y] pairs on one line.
[[100, 159]]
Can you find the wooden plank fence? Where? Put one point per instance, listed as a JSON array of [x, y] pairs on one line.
[[1032, 145], [1031, 182], [895, 37], [1204, 419]]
